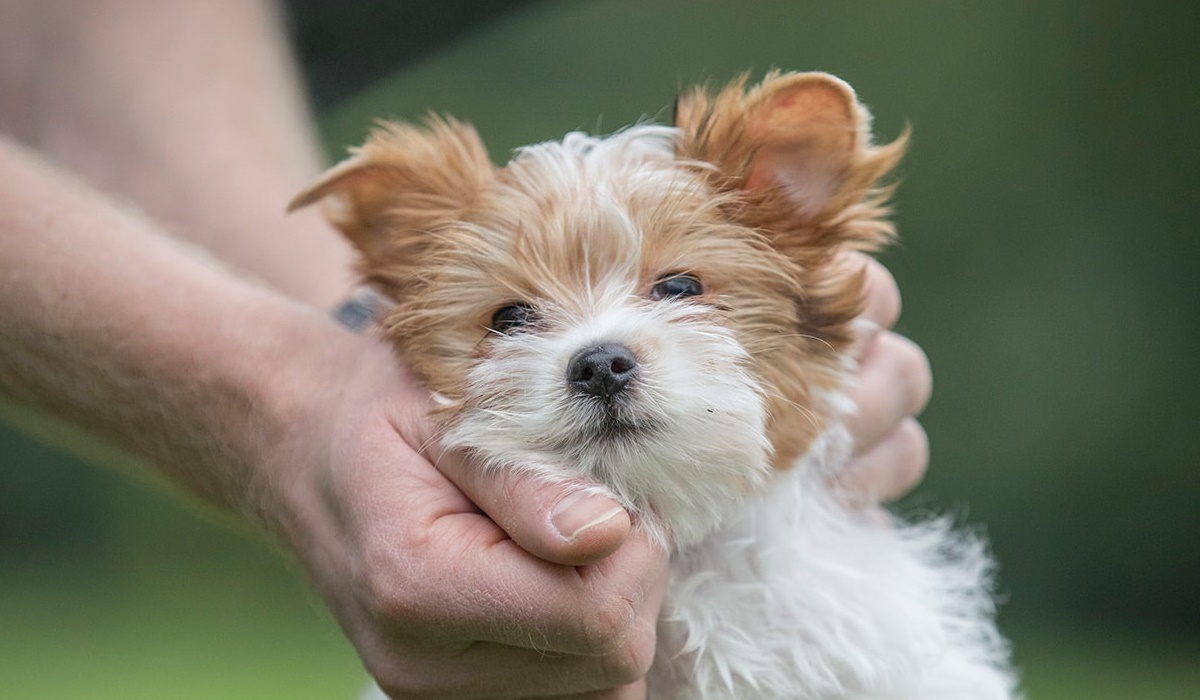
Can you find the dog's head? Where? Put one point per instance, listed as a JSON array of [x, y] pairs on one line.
[[661, 310]]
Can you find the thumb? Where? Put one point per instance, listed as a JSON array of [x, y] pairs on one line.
[[571, 522]]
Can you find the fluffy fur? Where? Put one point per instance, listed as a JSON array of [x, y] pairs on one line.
[[725, 440]]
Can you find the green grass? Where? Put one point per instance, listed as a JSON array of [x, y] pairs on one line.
[[186, 611], [1060, 662], [107, 645]]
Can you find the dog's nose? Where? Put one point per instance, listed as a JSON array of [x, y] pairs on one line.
[[602, 370]]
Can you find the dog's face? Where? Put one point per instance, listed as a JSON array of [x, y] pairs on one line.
[[661, 310]]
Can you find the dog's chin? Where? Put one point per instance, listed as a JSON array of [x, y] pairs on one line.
[[677, 473], [619, 425]]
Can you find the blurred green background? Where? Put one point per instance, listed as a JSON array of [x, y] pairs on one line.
[[1050, 265]]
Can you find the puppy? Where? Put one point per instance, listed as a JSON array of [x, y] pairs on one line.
[[667, 312]]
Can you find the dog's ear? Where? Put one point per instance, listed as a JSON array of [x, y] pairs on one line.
[[799, 147], [403, 180]]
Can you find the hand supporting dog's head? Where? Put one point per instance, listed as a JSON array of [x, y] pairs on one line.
[[661, 310]]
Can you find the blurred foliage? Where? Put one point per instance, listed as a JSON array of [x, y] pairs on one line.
[[1049, 265], [344, 51]]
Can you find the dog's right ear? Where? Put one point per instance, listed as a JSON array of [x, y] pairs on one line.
[[798, 146], [404, 180]]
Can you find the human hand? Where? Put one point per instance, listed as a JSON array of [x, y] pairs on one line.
[[894, 382], [438, 599]]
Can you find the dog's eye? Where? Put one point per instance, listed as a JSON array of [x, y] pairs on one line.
[[512, 317], [677, 286]]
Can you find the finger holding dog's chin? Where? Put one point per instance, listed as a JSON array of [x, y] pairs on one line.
[[570, 522]]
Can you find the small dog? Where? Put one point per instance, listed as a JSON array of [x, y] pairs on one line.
[[667, 312]]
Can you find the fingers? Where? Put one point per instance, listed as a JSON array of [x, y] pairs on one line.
[[493, 671], [894, 383], [882, 294], [633, 691], [532, 675], [889, 469], [559, 630], [570, 523], [881, 303], [519, 600], [449, 606]]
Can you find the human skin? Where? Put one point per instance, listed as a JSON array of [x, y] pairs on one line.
[[246, 394], [191, 109]]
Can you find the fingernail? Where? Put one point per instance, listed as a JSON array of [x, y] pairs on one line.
[[579, 511]]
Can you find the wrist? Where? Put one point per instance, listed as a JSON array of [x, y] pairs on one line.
[[292, 383], [319, 384]]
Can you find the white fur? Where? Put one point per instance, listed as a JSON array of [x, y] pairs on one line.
[[799, 597]]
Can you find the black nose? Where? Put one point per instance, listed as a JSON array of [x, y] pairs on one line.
[[603, 370]]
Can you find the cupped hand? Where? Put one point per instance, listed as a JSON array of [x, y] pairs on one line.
[[559, 598]]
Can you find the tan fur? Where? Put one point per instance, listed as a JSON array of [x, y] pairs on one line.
[[403, 180], [791, 179], [811, 126]]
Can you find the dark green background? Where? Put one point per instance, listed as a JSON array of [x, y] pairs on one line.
[[1049, 266]]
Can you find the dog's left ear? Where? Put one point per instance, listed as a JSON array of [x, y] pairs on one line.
[[799, 144], [401, 185]]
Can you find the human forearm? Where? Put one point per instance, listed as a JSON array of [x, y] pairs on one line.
[[190, 109], [121, 331]]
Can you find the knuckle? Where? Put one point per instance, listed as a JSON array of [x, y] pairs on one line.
[[398, 679], [913, 371], [409, 688], [387, 597], [393, 687], [914, 447], [607, 629], [883, 294], [632, 661]]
